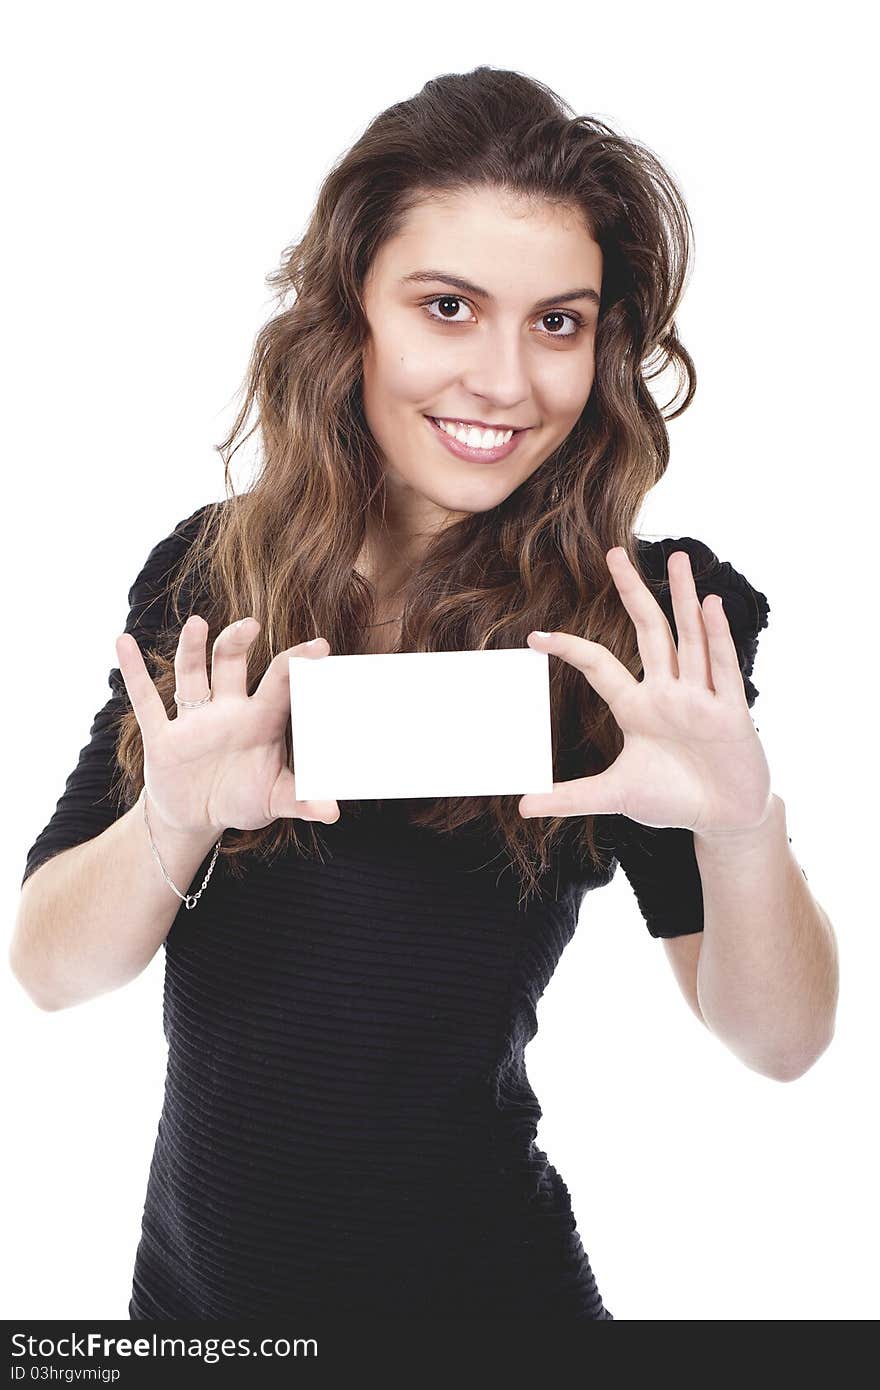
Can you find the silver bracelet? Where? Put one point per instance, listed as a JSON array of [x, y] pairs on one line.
[[189, 899]]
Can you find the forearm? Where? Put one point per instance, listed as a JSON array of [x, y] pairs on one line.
[[92, 917], [767, 978]]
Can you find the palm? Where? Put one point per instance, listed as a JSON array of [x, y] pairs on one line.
[[685, 761], [691, 756], [222, 763], [227, 762]]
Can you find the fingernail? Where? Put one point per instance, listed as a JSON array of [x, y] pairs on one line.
[[314, 642]]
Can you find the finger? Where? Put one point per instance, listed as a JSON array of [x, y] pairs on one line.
[[190, 675], [583, 796], [274, 688], [694, 665], [608, 676], [283, 802], [726, 675], [229, 658], [653, 633], [147, 703]]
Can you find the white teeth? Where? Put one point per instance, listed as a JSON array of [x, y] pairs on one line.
[[475, 437]]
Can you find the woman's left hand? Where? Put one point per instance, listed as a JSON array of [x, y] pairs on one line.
[[691, 755]]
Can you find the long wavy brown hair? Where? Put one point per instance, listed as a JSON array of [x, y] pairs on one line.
[[285, 551]]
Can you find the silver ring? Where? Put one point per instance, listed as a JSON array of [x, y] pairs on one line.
[[192, 704]]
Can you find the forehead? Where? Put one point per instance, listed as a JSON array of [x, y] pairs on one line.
[[493, 238]]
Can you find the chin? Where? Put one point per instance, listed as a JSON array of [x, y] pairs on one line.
[[481, 497]]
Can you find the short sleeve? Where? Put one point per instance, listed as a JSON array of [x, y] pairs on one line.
[[87, 805], [661, 863]]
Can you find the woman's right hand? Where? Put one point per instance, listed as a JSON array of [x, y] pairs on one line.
[[224, 765]]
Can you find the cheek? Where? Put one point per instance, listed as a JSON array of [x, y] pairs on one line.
[[411, 377], [398, 385], [565, 393], [399, 369]]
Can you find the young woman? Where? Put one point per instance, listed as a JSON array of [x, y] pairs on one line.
[[457, 437]]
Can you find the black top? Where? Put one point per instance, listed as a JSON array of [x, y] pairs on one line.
[[347, 1121]]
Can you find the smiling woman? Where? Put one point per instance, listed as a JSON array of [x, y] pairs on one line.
[[348, 1125]]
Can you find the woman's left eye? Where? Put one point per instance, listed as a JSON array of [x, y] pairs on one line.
[[575, 319]]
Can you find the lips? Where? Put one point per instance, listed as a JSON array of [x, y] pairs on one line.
[[473, 455]]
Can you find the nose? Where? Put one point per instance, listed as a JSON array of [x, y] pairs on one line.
[[495, 370]]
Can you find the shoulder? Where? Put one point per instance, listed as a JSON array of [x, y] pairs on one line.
[[145, 598], [167, 552], [745, 606], [173, 546]]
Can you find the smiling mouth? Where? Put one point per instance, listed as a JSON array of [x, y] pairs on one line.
[[473, 432], [477, 445]]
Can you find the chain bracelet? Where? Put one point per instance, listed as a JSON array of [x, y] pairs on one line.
[[189, 899]]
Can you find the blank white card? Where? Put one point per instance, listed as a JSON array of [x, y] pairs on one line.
[[421, 724]]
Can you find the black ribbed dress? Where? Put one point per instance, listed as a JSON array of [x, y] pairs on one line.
[[347, 1121]]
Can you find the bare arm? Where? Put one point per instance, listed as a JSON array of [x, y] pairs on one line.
[[91, 918], [683, 954], [768, 976]]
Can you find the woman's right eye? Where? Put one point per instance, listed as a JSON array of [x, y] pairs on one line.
[[444, 299]]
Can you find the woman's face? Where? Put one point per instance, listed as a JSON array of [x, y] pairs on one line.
[[513, 348]]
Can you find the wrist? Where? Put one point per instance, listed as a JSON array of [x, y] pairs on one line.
[[177, 839], [181, 856], [747, 837]]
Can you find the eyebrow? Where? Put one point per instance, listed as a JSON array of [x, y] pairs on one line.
[[418, 276]]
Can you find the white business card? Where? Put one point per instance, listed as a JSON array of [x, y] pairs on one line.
[[421, 724]]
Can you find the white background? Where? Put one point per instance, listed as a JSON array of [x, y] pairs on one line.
[[158, 160]]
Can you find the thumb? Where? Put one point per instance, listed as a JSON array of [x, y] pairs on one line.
[[283, 802], [584, 796], [273, 690]]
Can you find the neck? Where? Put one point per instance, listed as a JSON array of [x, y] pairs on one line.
[[387, 561], [394, 543]]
